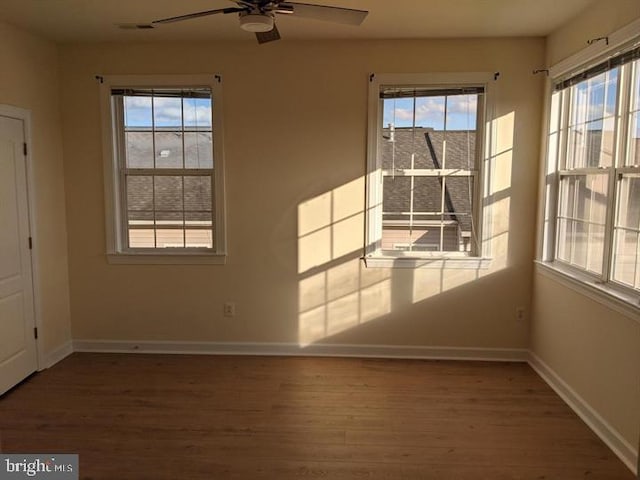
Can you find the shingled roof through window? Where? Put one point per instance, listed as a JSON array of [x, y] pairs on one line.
[[426, 147]]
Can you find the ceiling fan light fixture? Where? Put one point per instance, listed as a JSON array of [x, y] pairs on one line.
[[256, 22]]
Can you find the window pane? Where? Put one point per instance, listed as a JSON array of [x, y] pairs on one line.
[[592, 121], [398, 146], [198, 218], [168, 193], [633, 158], [140, 218], [591, 198], [197, 112], [635, 92], [175, 219], [461, 112], [451, 149], [139, 193], [611, 92], [625, 255], [625, 258], [579, 244], [167, 111], [142, 238], [169, 238], [595, 248], [137, 112], [595, 98], [629, 203], [198, 150], [139, 149], [168, 149], [427, 195], [458, 200], [605, 145], [584, 198], [430, 112], [552, 152], [197, 193], [199, 238], [581, 220], [591, 144], [403, 238], [396, 196], [564, 240], [398, 112]]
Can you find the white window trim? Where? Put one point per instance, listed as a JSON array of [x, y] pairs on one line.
[[115, 252], [439, 260], [620, 299]]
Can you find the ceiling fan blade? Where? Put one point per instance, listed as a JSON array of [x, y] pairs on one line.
[[347, 16], [199, 14], [270, 36]]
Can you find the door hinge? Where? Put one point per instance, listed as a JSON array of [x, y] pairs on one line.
[[24, 149], [30, 243], [35, 332]]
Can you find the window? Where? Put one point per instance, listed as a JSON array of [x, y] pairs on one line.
[[592, 216], [425, 144], [164, 169]]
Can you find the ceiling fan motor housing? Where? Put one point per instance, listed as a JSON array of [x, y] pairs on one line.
[[256, 22]]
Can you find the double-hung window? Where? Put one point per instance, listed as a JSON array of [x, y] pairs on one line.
[[424, 152], [592, 215], [163, 169]]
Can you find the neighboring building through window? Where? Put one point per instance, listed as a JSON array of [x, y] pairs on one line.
[[424, 151], [165, 185], [592, 216]]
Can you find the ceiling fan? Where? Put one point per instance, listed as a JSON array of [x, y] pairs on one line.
[[259, 16]]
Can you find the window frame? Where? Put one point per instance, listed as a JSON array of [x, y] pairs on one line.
[[117, 249], [601, 287], [374, 256]]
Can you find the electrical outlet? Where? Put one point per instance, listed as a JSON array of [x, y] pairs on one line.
[[229, 309], [520, 311]]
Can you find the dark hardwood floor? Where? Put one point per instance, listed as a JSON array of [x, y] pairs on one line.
[[220, 417]]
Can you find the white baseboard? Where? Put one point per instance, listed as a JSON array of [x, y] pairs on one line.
[[56, 355], [609, 435], [324, 350]]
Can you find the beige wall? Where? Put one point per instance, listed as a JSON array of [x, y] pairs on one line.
[[295, 139], [594, 349], [599, 20], [29, 80]]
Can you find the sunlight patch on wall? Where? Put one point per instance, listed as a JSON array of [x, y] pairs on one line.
[[497, 196], [330, 225], [341, 297]]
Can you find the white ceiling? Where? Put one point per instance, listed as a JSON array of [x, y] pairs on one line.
[[94, 20]]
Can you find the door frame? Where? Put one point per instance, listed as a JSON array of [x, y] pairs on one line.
[[24, 115]]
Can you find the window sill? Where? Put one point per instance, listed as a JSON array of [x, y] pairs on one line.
[[622, 302], [439, 263], [166, 259]]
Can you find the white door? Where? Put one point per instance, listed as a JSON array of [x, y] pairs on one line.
[[18, 357]]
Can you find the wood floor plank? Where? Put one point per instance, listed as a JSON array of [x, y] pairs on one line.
[[166, 417]]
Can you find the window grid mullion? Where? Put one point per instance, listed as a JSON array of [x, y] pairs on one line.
[[412, 180], [153, 190], [184, 164], [620, 138], [563, 153], [443, 180], [123, 214]]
